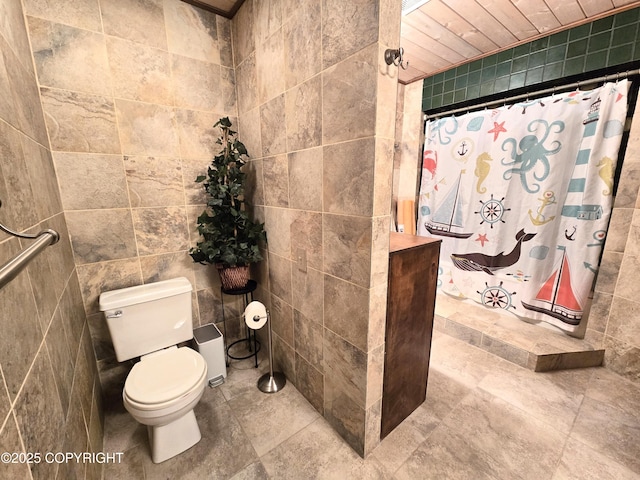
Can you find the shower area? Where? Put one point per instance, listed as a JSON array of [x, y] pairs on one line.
[[535, 209]]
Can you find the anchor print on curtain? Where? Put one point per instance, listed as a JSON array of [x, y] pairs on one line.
[[521, 197]]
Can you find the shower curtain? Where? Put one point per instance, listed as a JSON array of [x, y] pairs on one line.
[[521, 197]]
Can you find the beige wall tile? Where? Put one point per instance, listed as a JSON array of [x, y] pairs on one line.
[[389, 20], [196, 133], [347, 27], [619, 325], [77, 13], [273, 132], [284, 358], [191, 32], [608, 272], [243, 28], [62, 360], [225, 42], [28, 108], [194, 191], [18, 210], [346, 312], [254, 183], [95, 278], [154, 181], [280, 277], [346, 367], [268, 19], [270, 66], [281, 316], [305, 179], [247, 84], [347, 248], [278, 227], [10, 442], [309, 340], [197, 84], [39, 414], [147, 129], [13, 29], [99, 235], [625, 224], [626, 284], [377, 316], [78, 122], [306, 234], [89, 181], [7, 104], [349, 97], [375, 368], [22, 333], [344, 414], [160, 230], [140, 21], [41, 171], [308, 296], [69, 58], [348, 177], [302, 42], [303, 113], [276, 181], [166, 266], [310, 382], [249, 132], [139, 72]]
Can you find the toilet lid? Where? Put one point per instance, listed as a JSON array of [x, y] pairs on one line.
[[163, 377]]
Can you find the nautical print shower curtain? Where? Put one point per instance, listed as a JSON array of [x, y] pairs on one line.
[[521, 197]]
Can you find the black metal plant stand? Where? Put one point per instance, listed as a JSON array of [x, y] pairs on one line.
[[253, 344]]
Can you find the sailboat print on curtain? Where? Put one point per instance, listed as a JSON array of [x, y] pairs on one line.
[[556, 296], [551, 160], [448, 214]]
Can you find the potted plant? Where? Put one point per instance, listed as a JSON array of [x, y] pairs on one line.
[[230, 239]]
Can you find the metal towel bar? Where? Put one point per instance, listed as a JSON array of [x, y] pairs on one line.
[[43, 239]]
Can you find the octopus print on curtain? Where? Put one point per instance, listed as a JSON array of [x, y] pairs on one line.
[[521, 197]]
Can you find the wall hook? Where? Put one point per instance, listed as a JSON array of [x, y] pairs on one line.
[[395, 57]]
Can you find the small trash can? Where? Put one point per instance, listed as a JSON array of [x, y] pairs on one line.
[[209, 342]]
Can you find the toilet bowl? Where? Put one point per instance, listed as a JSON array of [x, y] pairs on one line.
[[162, 389], [160, 392]]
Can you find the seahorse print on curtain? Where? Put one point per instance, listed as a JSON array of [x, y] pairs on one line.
[[521, 197]]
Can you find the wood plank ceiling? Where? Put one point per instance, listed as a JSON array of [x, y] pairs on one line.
[[445, 33], [442, 34]]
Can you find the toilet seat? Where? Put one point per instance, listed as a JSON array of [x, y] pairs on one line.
[[164, 377]]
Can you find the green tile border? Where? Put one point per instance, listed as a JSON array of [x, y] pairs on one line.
[[604, 43]]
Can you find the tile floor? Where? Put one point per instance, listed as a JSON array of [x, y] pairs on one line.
[[484, 418]]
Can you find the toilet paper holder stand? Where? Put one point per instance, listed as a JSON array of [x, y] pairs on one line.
[[270, 382]]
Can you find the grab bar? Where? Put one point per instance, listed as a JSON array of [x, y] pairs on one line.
[[10, 269]]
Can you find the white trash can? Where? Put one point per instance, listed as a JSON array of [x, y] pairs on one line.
[[209, 342]]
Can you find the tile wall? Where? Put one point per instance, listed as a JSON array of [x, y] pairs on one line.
[[50, 395], [130, 91], [316, 107]]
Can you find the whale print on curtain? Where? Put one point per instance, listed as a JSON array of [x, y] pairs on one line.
[[521, 197]]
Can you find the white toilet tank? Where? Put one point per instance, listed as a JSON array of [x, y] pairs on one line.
[[150, 317]]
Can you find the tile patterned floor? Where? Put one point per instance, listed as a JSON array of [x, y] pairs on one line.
[[484, 418]]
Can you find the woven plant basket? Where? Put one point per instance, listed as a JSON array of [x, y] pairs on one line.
[[233, 278]]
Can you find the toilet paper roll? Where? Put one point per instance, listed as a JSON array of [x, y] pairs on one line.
[[255, 315]]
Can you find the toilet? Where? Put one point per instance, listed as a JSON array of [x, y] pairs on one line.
[[162, 389]]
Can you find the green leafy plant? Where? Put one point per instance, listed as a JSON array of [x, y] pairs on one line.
[[229, 237]]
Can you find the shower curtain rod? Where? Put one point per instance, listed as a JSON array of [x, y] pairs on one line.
[[604, 78]]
